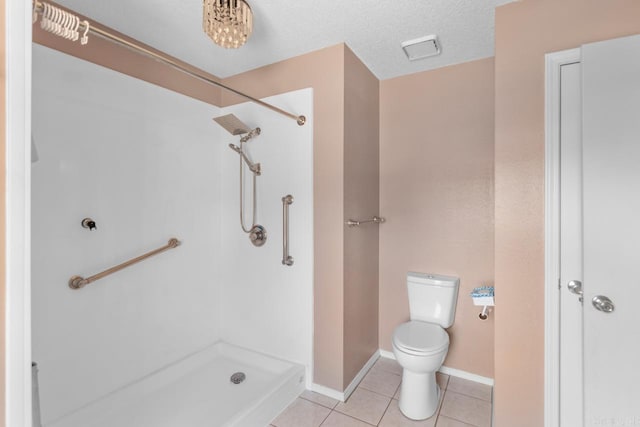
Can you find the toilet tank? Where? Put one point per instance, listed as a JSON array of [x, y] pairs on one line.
[[432, 298]]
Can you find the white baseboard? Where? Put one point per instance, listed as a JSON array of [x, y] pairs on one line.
[[466, 375], [356, 380], [344, 395], [329, 392], [387, 354], [450, 371]]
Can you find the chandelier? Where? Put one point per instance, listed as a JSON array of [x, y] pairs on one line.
[[227, 22]]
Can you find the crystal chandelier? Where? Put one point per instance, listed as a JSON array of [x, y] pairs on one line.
[[227, 22]]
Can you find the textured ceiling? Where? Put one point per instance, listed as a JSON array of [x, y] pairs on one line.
[[373, 29]]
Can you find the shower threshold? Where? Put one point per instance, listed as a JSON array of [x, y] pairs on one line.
[[198, 392]]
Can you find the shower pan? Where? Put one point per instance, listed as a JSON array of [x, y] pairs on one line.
[[197, 391], [233, 125]]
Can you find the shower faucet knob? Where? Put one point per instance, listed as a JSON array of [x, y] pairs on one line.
[[89, 224]]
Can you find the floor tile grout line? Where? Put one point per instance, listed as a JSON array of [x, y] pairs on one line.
[[358, 419], [320, 404], [444, 392], [385, 412], [451, 416], [325, 418], [371, 391], [349, 416], [385, 370], [377, 392], [473, 397], [444, 389], [444, 416]]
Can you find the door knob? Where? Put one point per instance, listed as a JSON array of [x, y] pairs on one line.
[[602, 303], [575, 287]]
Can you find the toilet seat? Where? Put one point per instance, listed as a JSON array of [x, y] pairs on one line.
[[420, 338]]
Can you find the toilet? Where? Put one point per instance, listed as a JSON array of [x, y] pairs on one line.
[[421, 344]]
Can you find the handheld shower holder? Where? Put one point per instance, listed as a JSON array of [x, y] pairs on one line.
[[250, 134]]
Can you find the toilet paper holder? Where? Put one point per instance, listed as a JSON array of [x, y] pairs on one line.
[[484, 296]]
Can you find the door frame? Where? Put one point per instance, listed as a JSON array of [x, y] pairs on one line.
[[18, 21], [553, 62]]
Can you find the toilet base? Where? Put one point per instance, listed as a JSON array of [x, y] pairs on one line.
[[419, 395]]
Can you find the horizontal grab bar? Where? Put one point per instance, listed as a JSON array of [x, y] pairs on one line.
[[77, 282], [356, 223]]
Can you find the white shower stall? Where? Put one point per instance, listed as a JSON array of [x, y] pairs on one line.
[[156, 343]]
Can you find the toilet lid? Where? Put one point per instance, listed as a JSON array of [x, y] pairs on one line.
[[421, 337]]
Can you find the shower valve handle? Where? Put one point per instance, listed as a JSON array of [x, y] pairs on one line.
[[89, 223]]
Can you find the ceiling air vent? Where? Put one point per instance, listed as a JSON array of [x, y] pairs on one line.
[[423, 47]]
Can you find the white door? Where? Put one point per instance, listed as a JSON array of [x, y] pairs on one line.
[[600, 236], [611, 231]]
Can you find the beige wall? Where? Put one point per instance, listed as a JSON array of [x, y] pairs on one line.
[[361, 200], [436, 191], [525, 32], [322, 70]]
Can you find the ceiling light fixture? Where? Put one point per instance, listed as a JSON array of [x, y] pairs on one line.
[[228, 23]]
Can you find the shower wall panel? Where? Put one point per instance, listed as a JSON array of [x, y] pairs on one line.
[[267, 306], [144, 163]]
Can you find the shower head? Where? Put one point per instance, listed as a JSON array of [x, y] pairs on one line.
[[232, 124], [253, 167]]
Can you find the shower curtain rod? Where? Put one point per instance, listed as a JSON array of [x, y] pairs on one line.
[[61, 25]]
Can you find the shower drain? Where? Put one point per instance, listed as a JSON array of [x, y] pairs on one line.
[[238, 377]]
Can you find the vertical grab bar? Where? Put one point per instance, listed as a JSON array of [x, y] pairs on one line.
[[286, 258]]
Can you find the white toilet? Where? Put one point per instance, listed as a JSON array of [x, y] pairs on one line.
[[421, 344]]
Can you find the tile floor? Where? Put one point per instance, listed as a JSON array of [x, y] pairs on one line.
[[375, 403]]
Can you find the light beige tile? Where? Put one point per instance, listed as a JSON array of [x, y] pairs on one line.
[[450, 422], [336, 419], [365, 405], [302, 413], [320, 399], [393, 417], [470, 388], [382, 382], [388, 365], [467, 409]]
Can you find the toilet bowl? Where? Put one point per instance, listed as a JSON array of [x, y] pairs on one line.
[[420, 349], [421, 344]]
